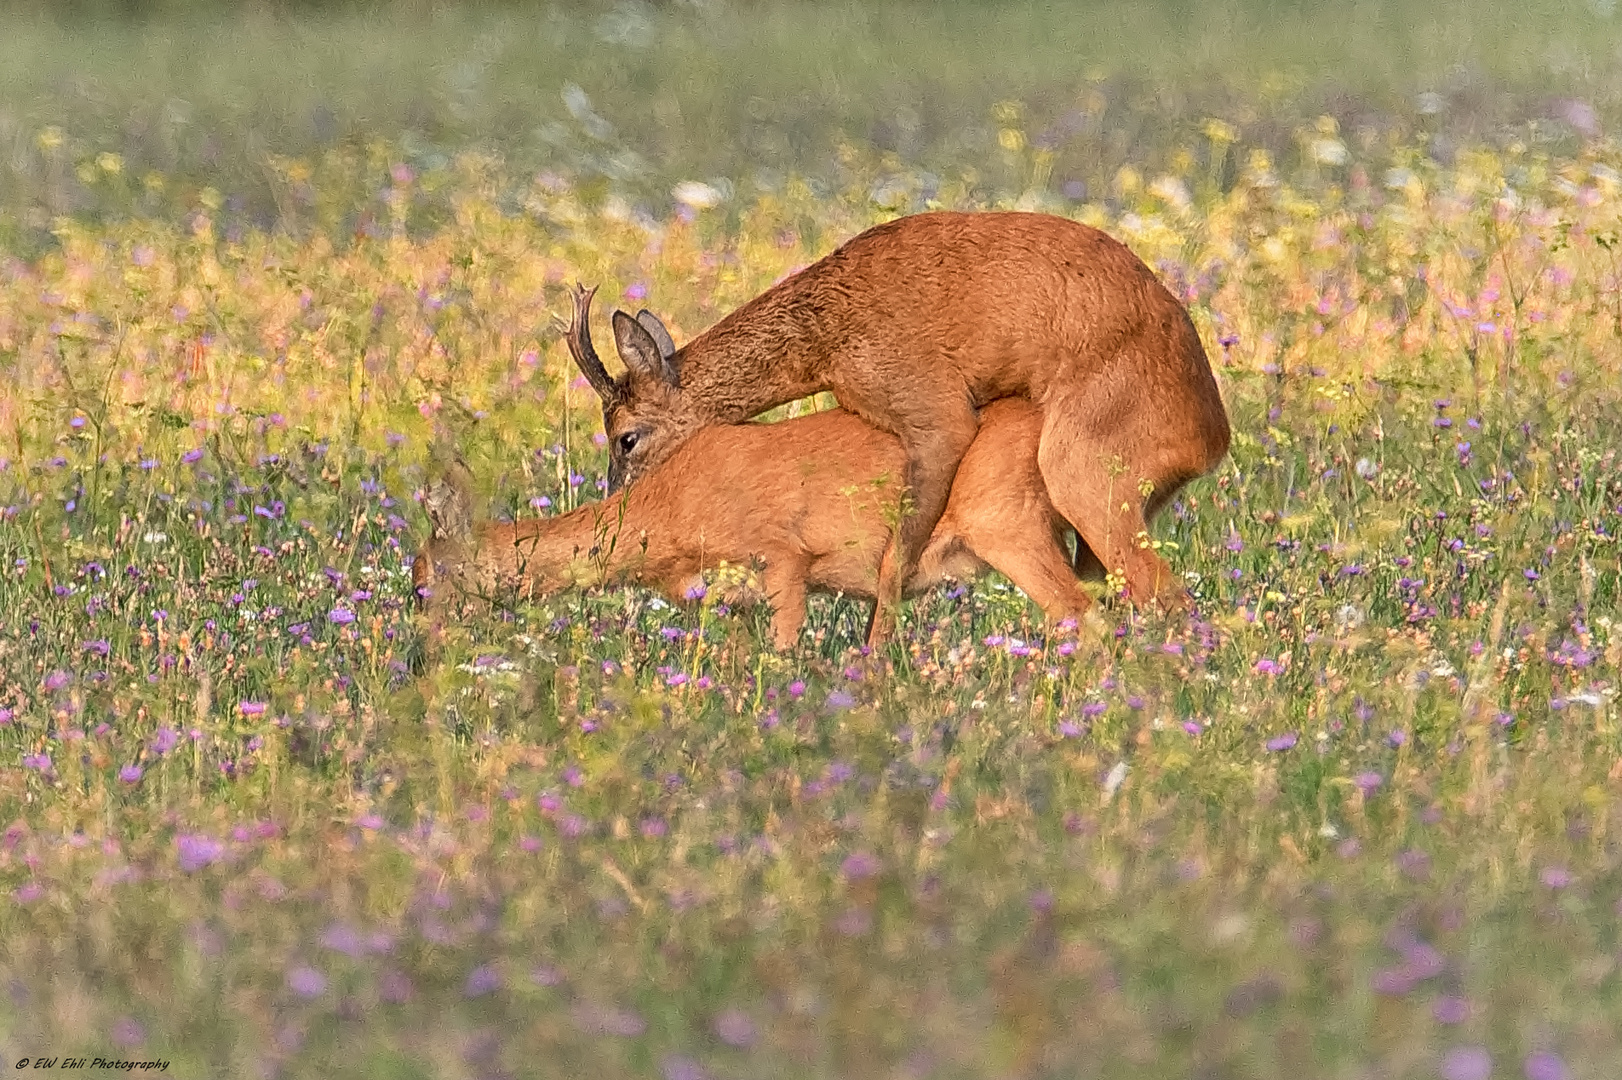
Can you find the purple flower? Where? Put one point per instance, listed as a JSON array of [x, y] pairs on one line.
[[394, 987], [1555, 877], [165, 740], [1393, 981], [859, 865], [41, 762], [840, 700], [1542, 1065], [1414, 864], [1367, 781], [197, 851], [1267, 666], [1282, 742], [306, 982], [130, 774], [734, 1028], [340, 616], [1451, 1010], [56, 680], [341, 937], [481, 980], [252, 708], [1466, 1063], [191, 456], [126, 1033], [1397, 738]]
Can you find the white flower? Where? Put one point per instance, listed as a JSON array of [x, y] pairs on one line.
[[1114, 780], [1329, 151], [696, 194]]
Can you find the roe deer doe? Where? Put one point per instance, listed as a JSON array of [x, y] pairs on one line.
[[916, 323], [811, 498]]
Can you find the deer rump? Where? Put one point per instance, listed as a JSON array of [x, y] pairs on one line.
[[814, 499]]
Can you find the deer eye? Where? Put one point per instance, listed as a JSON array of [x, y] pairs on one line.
[[628, 442]]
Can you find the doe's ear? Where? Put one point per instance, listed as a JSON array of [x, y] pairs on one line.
[[449, 504], [641, 353]]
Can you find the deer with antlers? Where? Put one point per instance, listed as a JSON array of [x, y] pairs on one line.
[[917, 324], [809, 500]]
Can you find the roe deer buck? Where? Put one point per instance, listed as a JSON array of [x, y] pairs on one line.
[[915, 324], [811, 498]]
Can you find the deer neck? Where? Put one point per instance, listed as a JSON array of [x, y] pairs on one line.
[[769, 352], [594, 543]]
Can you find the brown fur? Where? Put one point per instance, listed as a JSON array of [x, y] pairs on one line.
[[915, 324], [810, 498]]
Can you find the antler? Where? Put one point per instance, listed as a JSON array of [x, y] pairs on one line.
[[580, 347]]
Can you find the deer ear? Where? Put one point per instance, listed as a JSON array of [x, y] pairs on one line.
[[449, 503], [641, 352], [650, 322]]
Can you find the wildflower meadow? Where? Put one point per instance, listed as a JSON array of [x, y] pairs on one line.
[[1353, 818]]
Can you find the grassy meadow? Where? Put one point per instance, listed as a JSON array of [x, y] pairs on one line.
[[1359, 817]]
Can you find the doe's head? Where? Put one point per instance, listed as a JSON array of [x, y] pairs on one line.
[[645, 414], [449, 504]]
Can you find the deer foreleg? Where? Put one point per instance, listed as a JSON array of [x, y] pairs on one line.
[[784, 582]]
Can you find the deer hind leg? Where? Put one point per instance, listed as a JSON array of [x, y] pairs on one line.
[[1098, 485], [933, 455], [1027, 549]]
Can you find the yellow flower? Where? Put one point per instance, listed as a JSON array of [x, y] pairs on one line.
[[49, 138], [109, 163], [1008, 112]]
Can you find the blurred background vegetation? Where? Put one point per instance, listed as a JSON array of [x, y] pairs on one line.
[[219, 100]]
